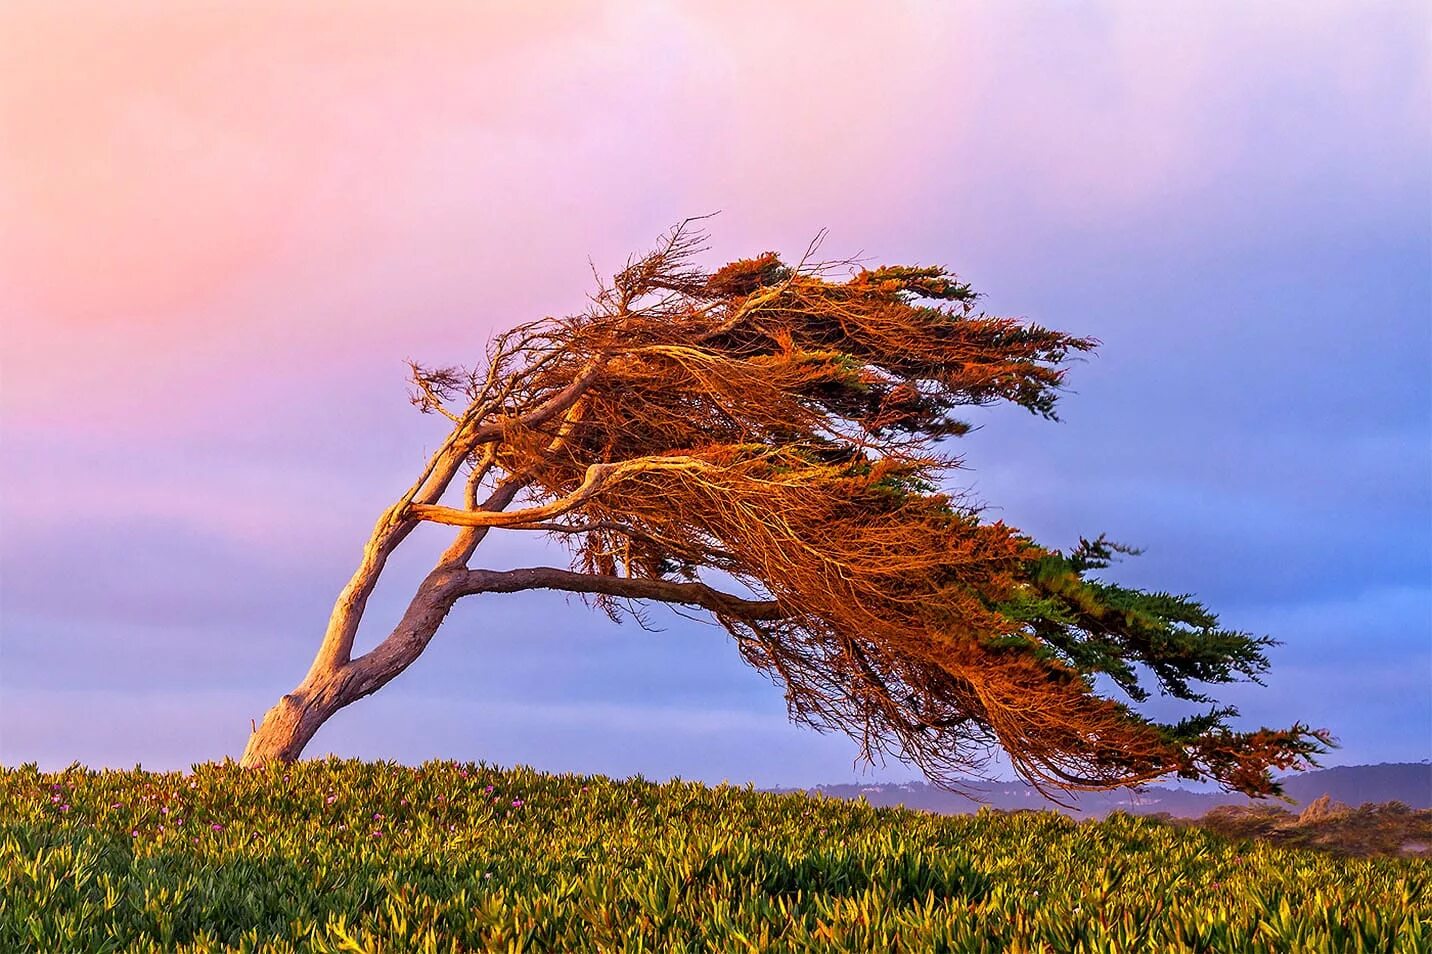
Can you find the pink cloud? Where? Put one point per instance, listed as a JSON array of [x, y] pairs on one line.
[[179, 177]]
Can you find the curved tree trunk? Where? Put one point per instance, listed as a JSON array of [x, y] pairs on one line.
[[291, 723], [330, 685], [336, 679]]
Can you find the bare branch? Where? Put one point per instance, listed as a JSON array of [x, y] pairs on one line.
[[597, 478], [664, 591]]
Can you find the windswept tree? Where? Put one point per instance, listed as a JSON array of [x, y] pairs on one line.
[[766, 443]]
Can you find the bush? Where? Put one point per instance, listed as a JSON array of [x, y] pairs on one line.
[[1389, 828]]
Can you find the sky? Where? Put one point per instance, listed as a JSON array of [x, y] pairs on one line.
[[224, 228]]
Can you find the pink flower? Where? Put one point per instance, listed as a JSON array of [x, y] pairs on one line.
[[331, 799], [217, 827], [134, 834], [517, 803], [489, 790]]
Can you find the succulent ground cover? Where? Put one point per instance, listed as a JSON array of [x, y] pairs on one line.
[[353, 856]]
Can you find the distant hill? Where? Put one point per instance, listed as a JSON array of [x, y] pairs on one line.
[[1407, 782]]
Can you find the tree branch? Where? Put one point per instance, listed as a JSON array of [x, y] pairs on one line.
[[544, 412], [466, 542], [444, 586], [596, 477], [663, 591], [628, 530], [398, 521]]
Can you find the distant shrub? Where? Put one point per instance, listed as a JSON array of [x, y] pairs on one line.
[[1387, 828]]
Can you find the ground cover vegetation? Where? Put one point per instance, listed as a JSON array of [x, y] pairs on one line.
[[336, 856]]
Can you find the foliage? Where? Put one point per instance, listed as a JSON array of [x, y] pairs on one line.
[[346, 856], [777, 429]]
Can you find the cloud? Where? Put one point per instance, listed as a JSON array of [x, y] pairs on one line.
[[222, 232]]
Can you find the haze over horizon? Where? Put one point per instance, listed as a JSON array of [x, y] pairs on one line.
[[223, 232]]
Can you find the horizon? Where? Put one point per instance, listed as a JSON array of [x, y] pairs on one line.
[[228, 231]]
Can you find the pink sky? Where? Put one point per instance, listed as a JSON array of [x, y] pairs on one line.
[[222, 228]]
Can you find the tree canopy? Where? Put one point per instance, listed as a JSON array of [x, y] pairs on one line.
[[770, 442]]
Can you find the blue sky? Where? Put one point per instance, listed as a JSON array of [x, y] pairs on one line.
[[212, 275]]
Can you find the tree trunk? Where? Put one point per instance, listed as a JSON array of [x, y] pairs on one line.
[[335, 679], [292, 722], [328, 687]]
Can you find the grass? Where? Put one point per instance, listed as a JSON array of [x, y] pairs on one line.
[[352, 856]]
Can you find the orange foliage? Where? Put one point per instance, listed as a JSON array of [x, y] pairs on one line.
[[777, 428]]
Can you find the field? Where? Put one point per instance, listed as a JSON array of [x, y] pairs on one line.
[[350, 856]]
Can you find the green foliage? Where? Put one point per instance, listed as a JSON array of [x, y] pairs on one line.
[[346, 856], [1098, 628], [1106, 628]]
